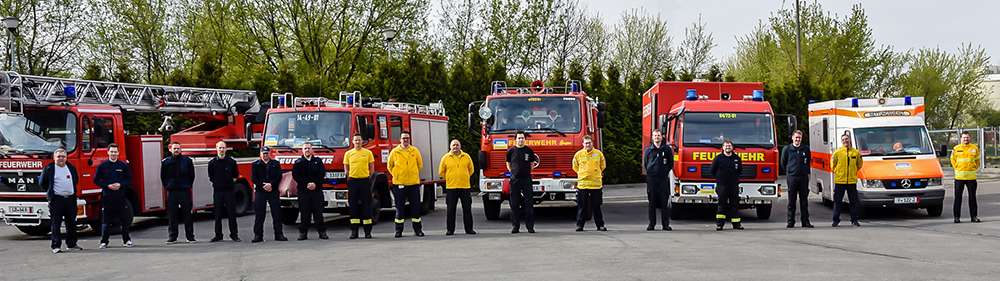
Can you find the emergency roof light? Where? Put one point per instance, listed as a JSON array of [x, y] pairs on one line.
[[70, 92], [907, 100], [574, 86], [758, 95], [692, 94], [854, 102]]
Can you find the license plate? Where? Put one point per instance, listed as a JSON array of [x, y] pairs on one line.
[[20, 210], [905, 200], [538, 188]]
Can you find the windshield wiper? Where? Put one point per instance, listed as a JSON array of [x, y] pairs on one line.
[[503, 131], [698, 144], [753, 145], [320, 145], [547, 130], [281, 147]]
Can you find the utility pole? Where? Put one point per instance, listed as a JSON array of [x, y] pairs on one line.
[[798, 39]]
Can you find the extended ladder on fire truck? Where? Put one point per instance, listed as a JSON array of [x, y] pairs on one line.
[[18, 90], [354, 99]]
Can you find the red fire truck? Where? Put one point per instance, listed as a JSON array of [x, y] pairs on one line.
[[695, 118], [329, 124], [40, 114], [555, 120]]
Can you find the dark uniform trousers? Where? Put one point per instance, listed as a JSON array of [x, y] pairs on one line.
[[113, 213], [179, 208], [522, 202], [960, 185], [798, 190], [62, 210], [401, 196], [588, 204], [225, 203], [729, 200], [311, 205], [359, 201], [451, 200], [658, 196], [838, 199], [261, 201]]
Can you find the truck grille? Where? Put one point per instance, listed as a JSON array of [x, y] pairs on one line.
[[23, 182], [899, 184], [550, 161], [749, 171]]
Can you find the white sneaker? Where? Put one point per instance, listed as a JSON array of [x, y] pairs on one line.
[[192, 241], [128, 244], [56, 251], [102, 246]]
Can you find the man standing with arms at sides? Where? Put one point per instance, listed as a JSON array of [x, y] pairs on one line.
[[358, 164], [846, 162], [308, 173], [726, 168], [60, 179], [456, 168], [965, 160], [114, 178], [222, 173], [177, 177], [266, 173], [795, 162], [520, 160], [404, 164], [589, 164], [659, 159]]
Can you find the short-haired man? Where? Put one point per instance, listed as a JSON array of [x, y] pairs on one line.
[[589, 164], [114, 178], [404, 165], [965, 160], [222, 172], [177, 177], [60, 180], [795, 162], [520, 161], [726, 168]]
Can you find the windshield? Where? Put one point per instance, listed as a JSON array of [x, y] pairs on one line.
[[909, 140], [37, 131], [324, 129], [560, 114], [744, 129]]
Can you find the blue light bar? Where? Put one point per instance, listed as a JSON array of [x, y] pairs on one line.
[[854, 102], [758, 95], [350, 100], [70, 92], [766, 170], [506, 174], [557, 174], [907, 100], [692, 169], [574, 86], [497, 87], [692, 94], [281, 101]]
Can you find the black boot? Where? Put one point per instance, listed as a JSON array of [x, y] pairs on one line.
[[368, 231], [399, 229], [737, 225], [418, 229], [354, 232]]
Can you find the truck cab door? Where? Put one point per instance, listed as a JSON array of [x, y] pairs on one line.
[[99, 132]]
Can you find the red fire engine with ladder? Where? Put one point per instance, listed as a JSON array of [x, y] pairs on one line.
[[40, 114], [329, 124]]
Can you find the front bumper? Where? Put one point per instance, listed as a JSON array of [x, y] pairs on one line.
[[704, 193], [545, 189], [334, 198], [880, 197], [33, 213]]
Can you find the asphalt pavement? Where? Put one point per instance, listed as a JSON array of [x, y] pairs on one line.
[[892, 244]]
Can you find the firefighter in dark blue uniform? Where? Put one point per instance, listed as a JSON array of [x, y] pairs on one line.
[[726, 168]]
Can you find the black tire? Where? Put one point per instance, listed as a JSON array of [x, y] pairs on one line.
[[289, 215], [827, 202], [935, 211], [38, 230], [764, 211], [492, 209], [427, 203], [676, 211], [243, 199]]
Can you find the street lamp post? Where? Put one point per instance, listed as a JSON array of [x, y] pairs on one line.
[[11, 24], [388, 35]]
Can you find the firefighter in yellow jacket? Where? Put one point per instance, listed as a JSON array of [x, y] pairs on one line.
[[965, 160], [589, 165], [846, 162], [404, 165], [456, 169], [358, 164]]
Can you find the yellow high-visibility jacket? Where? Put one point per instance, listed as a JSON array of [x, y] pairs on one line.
[[404, 165], [846, 163], [589, 167], [456, 170], [965, 160]]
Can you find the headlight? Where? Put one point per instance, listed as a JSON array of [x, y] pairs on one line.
[[569, 185], [689, 189], [340, 195], [871, 183], [934, 182], [767, 190], [494, 185]]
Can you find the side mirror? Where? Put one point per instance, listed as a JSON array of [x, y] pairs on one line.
[[943, 151], [791, 123], [470, 123], [601, 114]]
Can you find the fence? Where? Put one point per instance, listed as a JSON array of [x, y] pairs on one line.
[[987, 138]]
